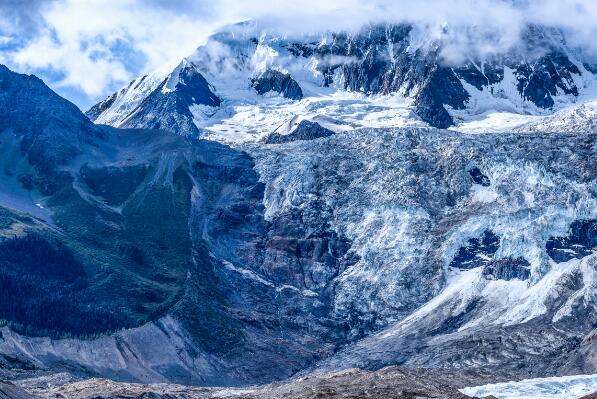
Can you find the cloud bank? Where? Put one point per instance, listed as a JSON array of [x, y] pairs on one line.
[[87, 48]]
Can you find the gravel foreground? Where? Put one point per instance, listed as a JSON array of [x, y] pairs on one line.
[[390, 382]]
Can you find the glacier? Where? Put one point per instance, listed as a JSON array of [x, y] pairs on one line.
[[539, 388]]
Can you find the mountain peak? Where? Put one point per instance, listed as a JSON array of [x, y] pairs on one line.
[[158, 101], [50, 128]]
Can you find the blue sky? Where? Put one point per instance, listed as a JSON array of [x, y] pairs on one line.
[[86, 49]]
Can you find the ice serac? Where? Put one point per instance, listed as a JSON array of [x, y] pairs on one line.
[[581, 118], [421, 227]]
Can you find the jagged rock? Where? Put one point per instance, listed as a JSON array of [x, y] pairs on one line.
[[477, 252], [276, 81], [169, 108], [479, 178], [379, 59], [507, 269], [11, 391], [94, 112], [440, 88], [383, 62], [580, 242], [306, 130], [166, 103], [470, 73], [540, 81], [374, 70]]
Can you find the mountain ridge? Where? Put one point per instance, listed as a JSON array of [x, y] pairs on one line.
[[539, 75]]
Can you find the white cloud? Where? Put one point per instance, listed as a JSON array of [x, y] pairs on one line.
[[5, 40], [94, 45]]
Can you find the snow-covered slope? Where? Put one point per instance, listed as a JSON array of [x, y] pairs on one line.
[[160, 100], [381, 77]]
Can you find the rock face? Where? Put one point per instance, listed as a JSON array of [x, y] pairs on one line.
[[94, 112], [479, 178], [508, 269], [306, 130], [382, 62], [580, 242], [278, 82], [582, 358], [11, 391], [477, 252]]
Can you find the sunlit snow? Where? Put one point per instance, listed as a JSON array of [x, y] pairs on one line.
[[570, 387]]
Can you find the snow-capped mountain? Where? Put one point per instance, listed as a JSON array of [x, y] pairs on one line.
[[318, 221], [155, 102], [339, 78]]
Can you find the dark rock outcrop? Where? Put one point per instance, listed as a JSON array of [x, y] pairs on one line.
[[306, 130], [477, 252], [11, 391], [94, 112], [580, 242], [540, 80], [507, 269], [276, 81], [478, 177]]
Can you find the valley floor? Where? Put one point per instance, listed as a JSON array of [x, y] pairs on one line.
[[390, 382]]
